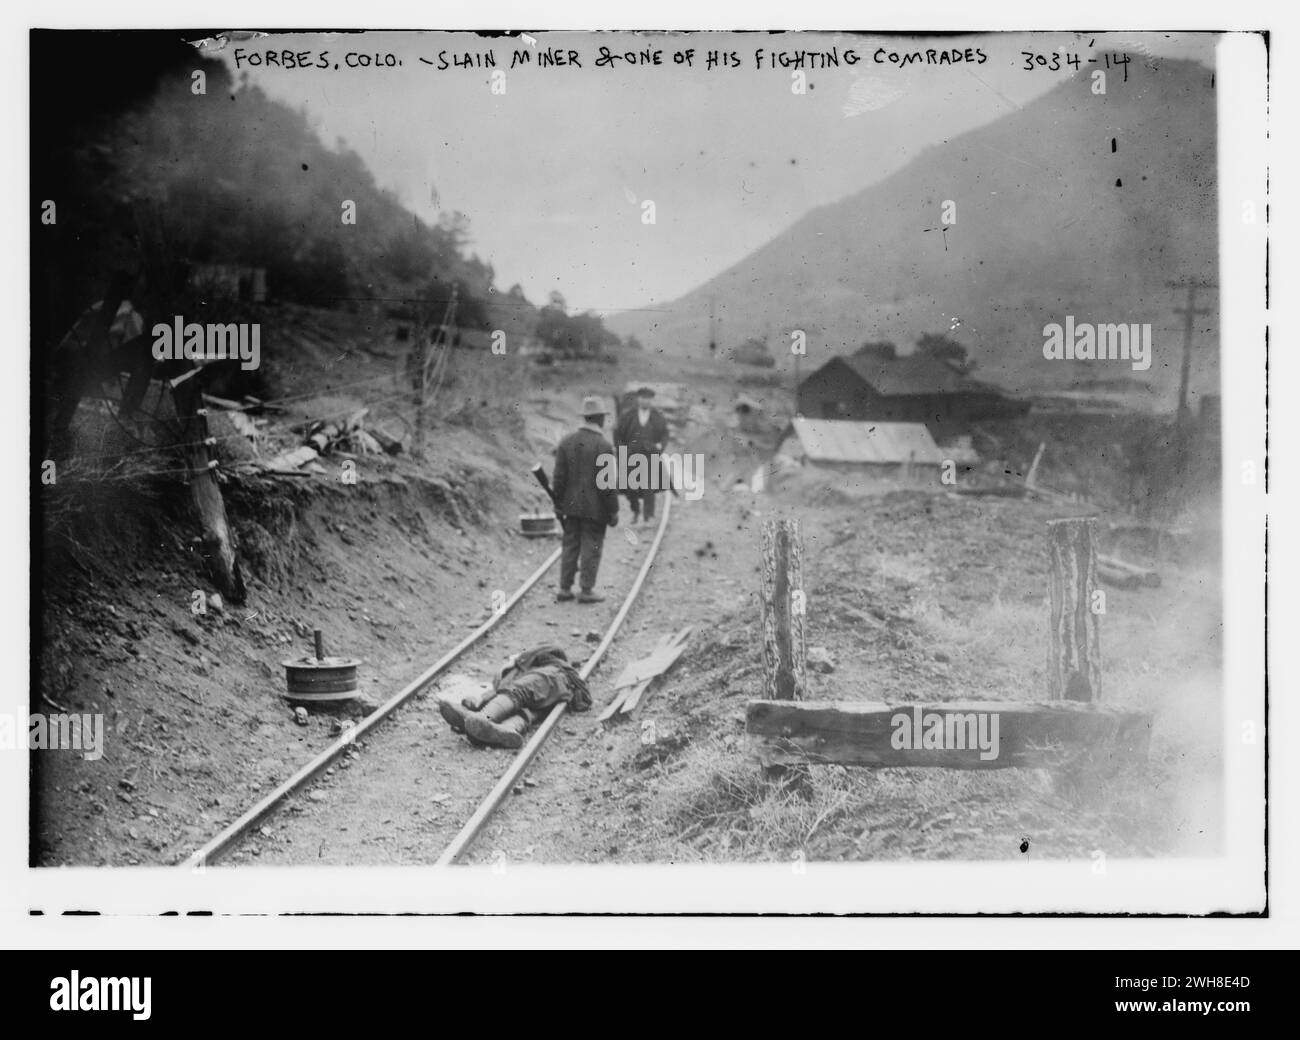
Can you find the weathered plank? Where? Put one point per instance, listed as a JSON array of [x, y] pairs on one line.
[[952, 735], [637, 676], [675, 648], [658, 661]]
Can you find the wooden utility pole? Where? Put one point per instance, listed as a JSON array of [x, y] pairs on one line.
[[1074, 650], [1189, 314], [784, 664]]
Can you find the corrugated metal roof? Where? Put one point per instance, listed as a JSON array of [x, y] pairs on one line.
[[837, 440]]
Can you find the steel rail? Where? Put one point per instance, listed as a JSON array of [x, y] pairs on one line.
[[528, 752], [231, 835]]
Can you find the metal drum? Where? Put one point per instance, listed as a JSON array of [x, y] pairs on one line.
[[321, 678]]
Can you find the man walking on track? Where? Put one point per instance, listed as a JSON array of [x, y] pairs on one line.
[[585, 508], [644, 432]]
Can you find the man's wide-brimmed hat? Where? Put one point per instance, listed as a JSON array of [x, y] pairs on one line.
[[645, 391], [593, 406]]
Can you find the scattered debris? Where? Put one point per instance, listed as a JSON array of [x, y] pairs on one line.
[[636, 678], [819, 659]]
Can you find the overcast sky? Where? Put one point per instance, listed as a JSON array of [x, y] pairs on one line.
[[553, 173]]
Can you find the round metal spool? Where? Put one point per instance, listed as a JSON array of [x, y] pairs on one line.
[[537, 525], [327, 679]]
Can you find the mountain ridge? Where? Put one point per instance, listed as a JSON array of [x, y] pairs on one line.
[[1052, 218]]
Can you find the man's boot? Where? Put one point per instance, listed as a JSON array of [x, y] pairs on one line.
[[497, 725], [457, 710], [587, 596]]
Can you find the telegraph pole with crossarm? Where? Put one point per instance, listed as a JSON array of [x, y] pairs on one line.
[[1189, 327]]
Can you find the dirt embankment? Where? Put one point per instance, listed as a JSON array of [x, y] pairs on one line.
[[392, 568]]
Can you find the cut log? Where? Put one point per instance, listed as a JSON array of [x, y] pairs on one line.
[[953, 735], [366, 443]]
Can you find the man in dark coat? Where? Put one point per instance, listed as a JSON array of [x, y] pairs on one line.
[[643, 430], [585, 507]]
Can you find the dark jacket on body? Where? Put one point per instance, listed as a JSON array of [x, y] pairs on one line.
[[641, 440], [577, 461]]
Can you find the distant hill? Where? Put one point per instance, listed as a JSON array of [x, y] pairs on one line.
[[1042, 231], [144, 171]]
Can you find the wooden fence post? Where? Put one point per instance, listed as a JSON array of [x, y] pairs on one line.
[[784, 664], [1074, 651]]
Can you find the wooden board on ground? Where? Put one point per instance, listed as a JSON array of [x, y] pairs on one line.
[[637, 677], [952, 735], [291, 460]]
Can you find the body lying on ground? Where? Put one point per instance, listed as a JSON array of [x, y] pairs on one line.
[[529, 685]]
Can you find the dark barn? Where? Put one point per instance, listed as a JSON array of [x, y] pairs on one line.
[[919, 388]]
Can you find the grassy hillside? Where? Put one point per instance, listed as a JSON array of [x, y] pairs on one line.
[[1042, 230]]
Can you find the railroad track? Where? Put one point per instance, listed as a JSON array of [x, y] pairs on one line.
[[234, 833]]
